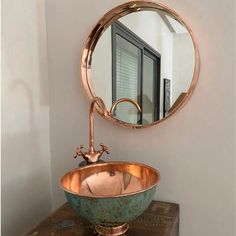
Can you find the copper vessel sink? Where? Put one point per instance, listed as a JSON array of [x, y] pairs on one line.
[[110, 194]]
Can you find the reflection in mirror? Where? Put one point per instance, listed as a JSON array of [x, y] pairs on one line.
[[147, 56]]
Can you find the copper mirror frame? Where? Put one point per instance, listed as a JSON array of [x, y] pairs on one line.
[[102, 25]]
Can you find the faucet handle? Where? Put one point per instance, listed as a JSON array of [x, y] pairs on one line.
[[79, 151], [104, 148]]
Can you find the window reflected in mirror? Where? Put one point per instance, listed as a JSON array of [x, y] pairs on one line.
[[147, 56]]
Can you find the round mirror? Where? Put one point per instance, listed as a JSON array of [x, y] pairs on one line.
[[145, 52]]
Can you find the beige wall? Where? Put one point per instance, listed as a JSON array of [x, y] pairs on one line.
[[183, 51], [26, 188], [194, 150], [102, 68]]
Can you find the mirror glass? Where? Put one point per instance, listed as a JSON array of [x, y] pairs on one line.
[[147, 56]]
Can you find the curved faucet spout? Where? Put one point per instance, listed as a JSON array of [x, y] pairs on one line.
[[123, 100], [99, 101]]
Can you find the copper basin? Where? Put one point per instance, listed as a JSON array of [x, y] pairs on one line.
[[110, 194]]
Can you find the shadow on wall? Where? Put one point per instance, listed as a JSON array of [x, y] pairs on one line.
[[24, 175]]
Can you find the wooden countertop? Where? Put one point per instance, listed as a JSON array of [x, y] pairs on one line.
[[160, 219]]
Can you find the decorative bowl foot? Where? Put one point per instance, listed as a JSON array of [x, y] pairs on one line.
[[111, 230]]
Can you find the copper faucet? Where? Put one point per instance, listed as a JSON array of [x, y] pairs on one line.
[[123, 100], [93, 156]]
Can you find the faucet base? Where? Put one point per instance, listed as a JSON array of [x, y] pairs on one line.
[[85, 163], [111, 230]]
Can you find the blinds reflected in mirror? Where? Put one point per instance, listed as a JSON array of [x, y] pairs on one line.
[[127, 77]]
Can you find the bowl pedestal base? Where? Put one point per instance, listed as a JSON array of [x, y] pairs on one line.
[[111, 230]]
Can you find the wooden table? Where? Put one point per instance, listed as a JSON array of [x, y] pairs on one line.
[[160, 219]]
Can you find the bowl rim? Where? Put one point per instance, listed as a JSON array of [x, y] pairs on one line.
[[111, 196]]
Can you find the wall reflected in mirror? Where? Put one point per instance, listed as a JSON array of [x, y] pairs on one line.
[[147, 56]]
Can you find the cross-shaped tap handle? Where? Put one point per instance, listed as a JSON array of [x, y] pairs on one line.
[[79, 151], [104, 148]]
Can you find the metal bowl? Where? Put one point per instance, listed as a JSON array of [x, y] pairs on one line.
[[110, 194]]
